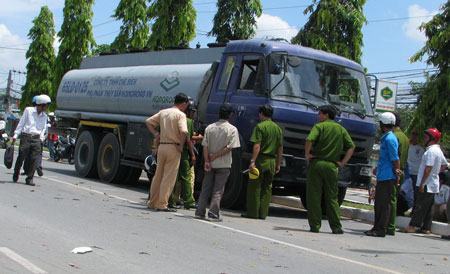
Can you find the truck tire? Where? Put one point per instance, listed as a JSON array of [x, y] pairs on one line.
[[108, 160], [86, 150], [234, 194], [341, 195]]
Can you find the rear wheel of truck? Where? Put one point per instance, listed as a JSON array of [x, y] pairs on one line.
[[341, 195], [86, 150], [108, 160], [234, 194]]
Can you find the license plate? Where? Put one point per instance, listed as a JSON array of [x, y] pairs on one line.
[[283, 162], [365, 171]]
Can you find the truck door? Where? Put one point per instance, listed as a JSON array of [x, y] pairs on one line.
[[249, 93], [222, 87]]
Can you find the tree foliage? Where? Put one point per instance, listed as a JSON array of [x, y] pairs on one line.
[[102, 48], [134, 32], [235, 19], [41, 58], [334, 26], [174, 23], [434, 101], [76, 37]]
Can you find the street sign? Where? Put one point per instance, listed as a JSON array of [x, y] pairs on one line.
[[385, 96]]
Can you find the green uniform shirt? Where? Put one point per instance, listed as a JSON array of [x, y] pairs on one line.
[[329, 140], [403, 142], [269, 135]]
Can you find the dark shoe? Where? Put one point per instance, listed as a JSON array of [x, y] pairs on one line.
[[390, 232], [425, 231], [174, 206], [445, 237], [201, 217], [213, 217], [40, 173], [314, 230], [166, 210], [337, 231], [374, 233], [243, 215], [190, 206], [30, 183], [15, 178]]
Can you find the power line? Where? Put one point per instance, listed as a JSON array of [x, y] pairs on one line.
[[12, 48]]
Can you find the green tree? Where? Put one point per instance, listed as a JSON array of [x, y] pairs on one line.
[[433, 109], [41, 58], [76, 37], [174, 23], [235, 19], [134, 31], [102, 48], [334, 26]]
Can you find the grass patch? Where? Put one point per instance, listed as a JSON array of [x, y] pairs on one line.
[[358, 205]]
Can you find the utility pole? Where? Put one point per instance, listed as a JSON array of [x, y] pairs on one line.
[[8, 93]]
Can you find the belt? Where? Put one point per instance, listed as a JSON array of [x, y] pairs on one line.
[[169, 143], [32, 136]]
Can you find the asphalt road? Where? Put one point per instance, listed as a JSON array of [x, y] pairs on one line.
[[41, 225]]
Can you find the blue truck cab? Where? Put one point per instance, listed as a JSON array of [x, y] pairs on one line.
[[295, 81]]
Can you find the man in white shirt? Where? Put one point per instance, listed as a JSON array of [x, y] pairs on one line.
[[219, 140], [427, 185], [415, 152], [32, 130]]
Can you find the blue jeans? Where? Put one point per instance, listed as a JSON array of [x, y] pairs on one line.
[[51, 149]]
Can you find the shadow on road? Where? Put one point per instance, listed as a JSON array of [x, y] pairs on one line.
[[377, 251], [286, 212]]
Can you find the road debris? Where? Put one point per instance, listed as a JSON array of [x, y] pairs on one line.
[[82, 250]]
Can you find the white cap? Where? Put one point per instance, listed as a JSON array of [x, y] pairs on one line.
[[43, 99], [387, 118]]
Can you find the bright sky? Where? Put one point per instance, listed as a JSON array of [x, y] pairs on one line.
[[390, 37]]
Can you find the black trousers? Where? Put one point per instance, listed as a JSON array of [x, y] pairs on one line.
[[30, 147], [26, 163], [422, 213], [383, 194]]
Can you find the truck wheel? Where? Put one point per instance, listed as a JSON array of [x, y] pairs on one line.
[[108, 159], [234, 194], [86, 150]]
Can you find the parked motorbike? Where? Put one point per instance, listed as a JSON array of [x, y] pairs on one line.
[[65, 148], [4, 139]]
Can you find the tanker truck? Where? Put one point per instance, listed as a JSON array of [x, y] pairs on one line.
[[110, 96]]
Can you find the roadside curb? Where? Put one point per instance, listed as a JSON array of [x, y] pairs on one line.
[[361, 214]]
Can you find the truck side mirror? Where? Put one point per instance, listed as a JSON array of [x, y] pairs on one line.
[[276, 63]]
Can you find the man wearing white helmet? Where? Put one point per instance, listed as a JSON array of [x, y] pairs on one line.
[[32, 128], [387, 172]]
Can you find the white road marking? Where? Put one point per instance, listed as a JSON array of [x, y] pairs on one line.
[[21, 260], [313, 251]]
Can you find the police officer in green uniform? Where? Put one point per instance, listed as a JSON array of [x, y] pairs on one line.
[[187, 159], [403, 142], [323, 149], [267, 150]]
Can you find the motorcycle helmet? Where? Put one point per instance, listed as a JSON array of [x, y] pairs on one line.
[[150, 165], [434, 133], [387, 118], [253, 174]]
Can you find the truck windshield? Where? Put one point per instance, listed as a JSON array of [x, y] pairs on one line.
[[318, 82]]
